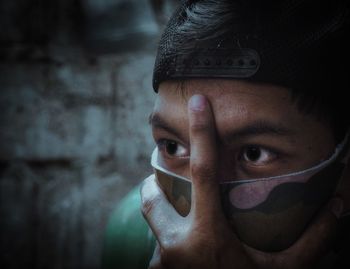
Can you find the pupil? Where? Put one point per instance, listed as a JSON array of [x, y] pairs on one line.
[[171, 147], [253, 153]]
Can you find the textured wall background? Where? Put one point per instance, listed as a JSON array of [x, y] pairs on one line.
[[75, 97]]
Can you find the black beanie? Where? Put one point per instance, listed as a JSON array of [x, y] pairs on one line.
[[299, 44]]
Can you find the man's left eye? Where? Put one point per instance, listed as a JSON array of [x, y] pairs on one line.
[[256, 155], [172, 148]]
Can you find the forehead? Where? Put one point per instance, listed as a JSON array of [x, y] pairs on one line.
[[238, 104], [230, 99]]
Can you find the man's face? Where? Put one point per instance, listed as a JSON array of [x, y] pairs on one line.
[[260, 131]]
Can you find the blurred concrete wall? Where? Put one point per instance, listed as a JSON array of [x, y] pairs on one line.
[[74, 136]]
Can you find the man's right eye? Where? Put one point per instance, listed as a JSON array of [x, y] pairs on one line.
[[171, 149]]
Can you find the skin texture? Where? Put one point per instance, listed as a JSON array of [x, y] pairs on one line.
[[236, 105], [208, 120]]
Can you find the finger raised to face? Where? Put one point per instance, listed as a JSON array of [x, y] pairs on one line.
[[203, 159]]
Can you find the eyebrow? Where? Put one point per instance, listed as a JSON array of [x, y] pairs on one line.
[[156, 121], [259, 127], [256, 128]]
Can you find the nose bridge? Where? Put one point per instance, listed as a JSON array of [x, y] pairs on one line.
[[227, 165]]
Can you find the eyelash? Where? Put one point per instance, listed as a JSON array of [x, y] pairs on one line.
[[162, 143], [269, 151]]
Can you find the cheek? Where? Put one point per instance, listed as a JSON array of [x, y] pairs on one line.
[[313, 148]]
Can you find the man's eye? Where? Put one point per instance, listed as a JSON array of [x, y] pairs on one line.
[[172, 148], [256, 155]]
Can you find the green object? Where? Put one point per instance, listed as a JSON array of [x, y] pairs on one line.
[[129, 242]]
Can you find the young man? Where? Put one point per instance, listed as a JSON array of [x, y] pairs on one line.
[[246, 90]]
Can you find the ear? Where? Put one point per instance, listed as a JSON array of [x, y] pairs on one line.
[[343, 189]]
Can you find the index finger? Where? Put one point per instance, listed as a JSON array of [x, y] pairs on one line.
[[203, 160], [158, 212]]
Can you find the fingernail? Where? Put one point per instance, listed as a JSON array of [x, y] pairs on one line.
[[336, 206], [197, 102]]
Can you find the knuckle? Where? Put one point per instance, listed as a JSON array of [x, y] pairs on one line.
[[148, 204], [170, 241], [146, 187], [199, 126]]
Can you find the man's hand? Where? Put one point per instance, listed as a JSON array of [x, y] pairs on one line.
[[204, 239]]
